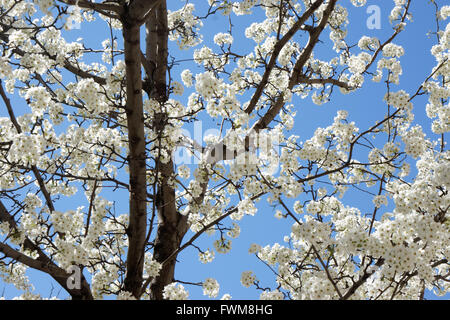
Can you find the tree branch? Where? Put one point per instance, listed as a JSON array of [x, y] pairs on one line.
[[43, 262], [102, 7], [276, 51]]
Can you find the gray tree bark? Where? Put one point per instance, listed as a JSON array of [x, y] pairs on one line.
[[172, 226], [137, 158]]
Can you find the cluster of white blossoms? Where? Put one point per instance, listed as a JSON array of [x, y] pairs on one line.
[[396, 13], [44, 5], [15, 274], [26, 149], [87, 90], [257, 32], [184, 172], [226, 296], [286, 53], [186, 77], [184, 26], [415, 142], [35, 62], [275, 254], [399, 99], [243, 7], [151, 266], [175, 291], [125, 295], [393, 65], [109, 49], [5, 68], [18, 37], [177, 88], [436, 109], [393, 51], [248, 278], [40, 99], [206, 57], [368, 43], [439, 91], [105, 279], [359, 3], [222, 245], [315, 149], [271, 295], [380, 200], [207, 84], [245, 206], [357, 64], [222, 38], [59, 220], [444, 13], [207, 256], [210, 287]]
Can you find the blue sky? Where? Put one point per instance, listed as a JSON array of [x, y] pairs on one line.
[[364, 106]]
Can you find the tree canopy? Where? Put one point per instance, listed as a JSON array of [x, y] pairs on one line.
[[87, 124]]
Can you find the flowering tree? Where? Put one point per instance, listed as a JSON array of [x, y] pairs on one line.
[[111, 120]]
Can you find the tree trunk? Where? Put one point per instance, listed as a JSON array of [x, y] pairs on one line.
[[137, 159], [171, 225]]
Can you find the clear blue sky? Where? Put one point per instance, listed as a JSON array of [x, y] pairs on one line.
[[364, 106]]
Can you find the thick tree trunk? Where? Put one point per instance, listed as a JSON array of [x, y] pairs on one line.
[[171, 225], [137, 160]]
